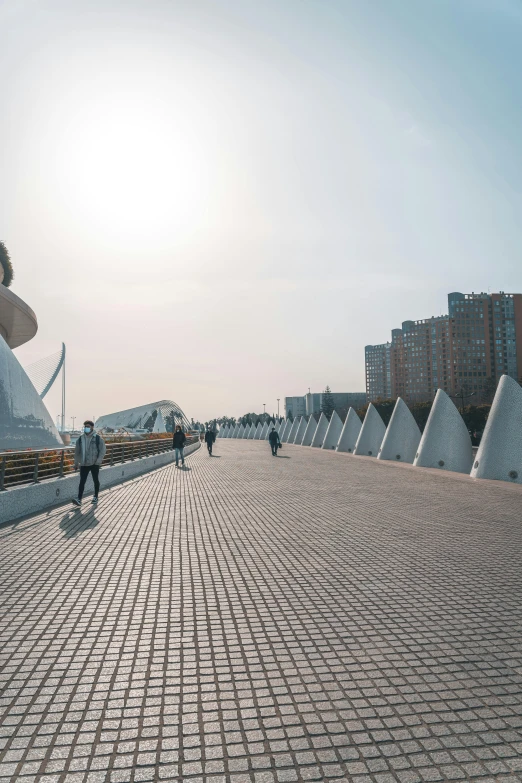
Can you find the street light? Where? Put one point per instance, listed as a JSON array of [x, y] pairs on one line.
[[73, 420], [278, 406]]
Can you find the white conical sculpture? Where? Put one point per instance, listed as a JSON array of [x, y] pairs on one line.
[[244, 431], [402, 437], [371, 434], [310, 430], [224, 431], [280, 427], [350, 433], [264, 431], [286, 431], [333, 433], [251, 432], [320, 432], [235, 431], [445, 442], [257, 433], [228, 433], [500, 452], [159, 424], [293, 430], [303, 424]]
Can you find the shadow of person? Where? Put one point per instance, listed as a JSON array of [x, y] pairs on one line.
[[74, 522], [185, 467], [216, 456], [283, 456]]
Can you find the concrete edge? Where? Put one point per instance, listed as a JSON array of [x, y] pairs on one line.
[[34, 498]]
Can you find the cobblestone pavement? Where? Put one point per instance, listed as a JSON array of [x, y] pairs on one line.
[[312, 617]]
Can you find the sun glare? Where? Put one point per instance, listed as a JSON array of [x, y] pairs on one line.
[[131, 168]]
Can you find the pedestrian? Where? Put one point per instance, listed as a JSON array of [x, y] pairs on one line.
[[178, 444], [210, 437], [274, 441], [88, 456]]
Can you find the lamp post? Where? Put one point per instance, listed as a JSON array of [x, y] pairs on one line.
[[73, 420], [278, 406], [264, 411]]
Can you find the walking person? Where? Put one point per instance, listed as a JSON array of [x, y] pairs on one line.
[[274, 441], [178, 444], [210, 437], [88, 456]]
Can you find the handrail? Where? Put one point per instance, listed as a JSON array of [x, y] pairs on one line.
[[31, 467]]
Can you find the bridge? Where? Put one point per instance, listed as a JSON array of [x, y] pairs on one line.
[[311, 617]]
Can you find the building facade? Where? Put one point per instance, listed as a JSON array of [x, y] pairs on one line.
[[312, 403], [464, 353], [378, 371]]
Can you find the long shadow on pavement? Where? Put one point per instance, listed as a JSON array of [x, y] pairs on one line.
[[74, 523]]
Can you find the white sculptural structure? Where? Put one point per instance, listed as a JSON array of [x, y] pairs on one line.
[[333, 433], [402, 437], [445, 442], [499, 456], [293, 429], [303, 424], [371, 434], [320, 432], [309, 432], [350, 432]]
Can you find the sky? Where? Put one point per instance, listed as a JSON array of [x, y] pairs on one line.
[[221, 202]]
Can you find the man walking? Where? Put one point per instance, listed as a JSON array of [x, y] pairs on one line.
[[178, 444], [88, 456], [210, 437], [274, 441]]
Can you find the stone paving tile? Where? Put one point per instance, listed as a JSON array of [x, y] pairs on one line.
[[312, 617]]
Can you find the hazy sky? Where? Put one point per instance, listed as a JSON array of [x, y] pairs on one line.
[[221, 202]]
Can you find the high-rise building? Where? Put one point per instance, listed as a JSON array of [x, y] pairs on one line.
[[378, 371], [294, 407], [487, 339], [421, 359], [464, 352]]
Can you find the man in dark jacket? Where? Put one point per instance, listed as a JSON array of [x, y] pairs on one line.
[[210, 437], [178, 444], [274, 441]]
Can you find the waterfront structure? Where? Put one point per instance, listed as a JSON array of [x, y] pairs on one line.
[[24, 420], [378, 371], [143, 417], [463, 353]]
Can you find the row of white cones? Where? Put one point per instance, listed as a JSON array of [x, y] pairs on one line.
[[445, 443]]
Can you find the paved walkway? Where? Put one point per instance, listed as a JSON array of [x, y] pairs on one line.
[[313, 617]]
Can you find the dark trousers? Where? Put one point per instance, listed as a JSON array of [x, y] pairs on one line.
[[209, 447], [84, 472], [275, 446]]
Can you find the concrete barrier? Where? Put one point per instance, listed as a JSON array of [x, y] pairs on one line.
[[371, 434], [499, 456], [402, 437], [333, 433], [320, 432], [309, 433], [33, 498], [445, 442], [350, 433]]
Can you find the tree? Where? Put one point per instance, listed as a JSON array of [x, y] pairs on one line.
[[327, 403], [384, 409], [7, 267]]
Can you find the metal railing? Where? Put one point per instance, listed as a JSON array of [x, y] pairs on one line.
[[31, 467]]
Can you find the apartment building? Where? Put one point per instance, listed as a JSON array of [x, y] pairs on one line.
[[378, 371], [464, 352]]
